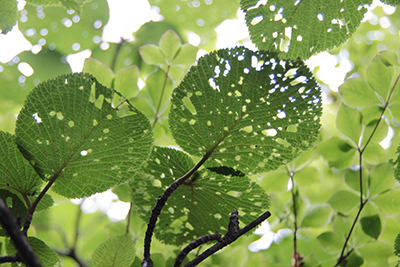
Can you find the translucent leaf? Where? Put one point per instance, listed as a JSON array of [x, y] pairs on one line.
[[374, 153], [344, 201], [99, 70], [170, 43], [46, 256], [372, 113], [396, 165], [186, 55], [353, 260], [378, 134], [307, 176], [318, 215], [159, 87], [371, 225], [16, 174], [388, 202], [202, 204], [379, 77], [337, 151], [381, 179], [352, 179], [116, 251], [376, 253], [8, 15], [389, 58], [69, 131], [296, 27], [397, 245], [357, 93], [330, 242], [152, 54], [75, 5], [126, 81], [348, 122], [275, 181], [251, 118]]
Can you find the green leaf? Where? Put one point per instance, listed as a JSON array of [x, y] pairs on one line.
[[75, 5], [318, 215], [15, 205], [307, 176], [330, 242], [296, 27], [186, 55], [348, 122], [379, 77], [69, 131], [357, 93], [159, 87], [46, 256], [99, 70], [371, 225], [374, 153], [344, 201], [152, 55], [381, 179], [8, 15], [275, 181], [397, 245], [116, 251], [202, 204], [16, 174], [389, 58], [378, 134], [126, 81], [354, 260], [352, 179], [170, 43], [250, 118], [376, 253], [337, 151], [388, 202]]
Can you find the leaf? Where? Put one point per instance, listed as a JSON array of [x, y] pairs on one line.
[[357, 93], [348, 122], [337, 151], [16, 174], [330, 242], [15, 205], [376, 253], [388, 202], [352, 179], [353, 260], [152, 54], [381, 179], [379, 77], [116, 251], [297, 27], [8, 15], [371, 225], [397, 245], [159, 87], [389, 57], [344, 201], [378, 134], [307, 176], [99, 70], [318, 215], [170, 43], [69, 131], [374, 153], [75, 5], [275, 181], [202, 204], [46, 256], [126, 80], [186, 55], [253, 119]]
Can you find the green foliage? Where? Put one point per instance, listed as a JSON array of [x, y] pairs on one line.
[[295, 28], [75, 5], [8, 15]]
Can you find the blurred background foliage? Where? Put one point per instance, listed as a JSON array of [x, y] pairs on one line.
[[56, 37]]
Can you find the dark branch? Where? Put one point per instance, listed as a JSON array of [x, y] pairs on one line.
[[24, 251], [194, 244], [233, 233], [10, 259], [71, 253]]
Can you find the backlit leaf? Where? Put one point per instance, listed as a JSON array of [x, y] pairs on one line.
[[379, 77], [253, 119], [388, 202], [318, 215], [170, 43], [357, 93], [344, 201], [376, 253], [118, 250], [99, 70], [69, 129], [330, 242], [75, 5], [371, 225], [8, 15], [381, 178], [348, 122]]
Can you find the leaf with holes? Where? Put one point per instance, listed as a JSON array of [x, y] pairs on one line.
[[302, 28], [72, 134], [200, 205], [75, 5], [248, 110], [8, 15]]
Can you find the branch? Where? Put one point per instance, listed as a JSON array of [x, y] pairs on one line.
[[233, 233], [24, 251], [71, 253], [194, 244]]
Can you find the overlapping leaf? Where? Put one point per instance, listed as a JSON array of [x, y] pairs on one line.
[[8, 15], [68, 128], [302, 28], [201, 205], [118, 250], [75, 5], [249, 110]]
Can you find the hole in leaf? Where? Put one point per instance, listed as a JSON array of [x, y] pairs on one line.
[[188, 104], [269, 132], [257, 20], [156, 183], [84, 153], [37, 118]]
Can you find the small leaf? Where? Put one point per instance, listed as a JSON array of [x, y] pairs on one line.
[[275, 181], [348, 122], [69, 131], [318, 215], [307, 176], [388, 202], [337, 151], [352, 179], [397, 245], [116, 251], [186, 55], [159, 87], [389, 58], [353, 260], [378, 134], [371, 225], [381, 179], [46, 256], [330, 242], [374, 153], [379, 77], [357, 93], [344, 201], [250, 118], [8, 15], [376, 253], [170, 43], [99, 70], [126, 80], [15, 205], [198, 206], [152, 55]]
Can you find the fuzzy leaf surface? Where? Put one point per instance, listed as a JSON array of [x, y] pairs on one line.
[[302, 28], [201, 205], [252, 111], [69, 129]]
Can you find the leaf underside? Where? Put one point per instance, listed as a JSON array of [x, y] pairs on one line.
[[302, 28], [87, 135], [200, 206], [251, 110]]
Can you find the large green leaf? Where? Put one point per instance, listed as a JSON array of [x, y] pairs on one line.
[[75, 5], [388, 202], [16, 174], [344, 201], [116, 251], [376, 253], [200, 205], [337, 151], [348, 122], [250, 110], [371, 225], [8, 15], [302, 28], [70, 129]]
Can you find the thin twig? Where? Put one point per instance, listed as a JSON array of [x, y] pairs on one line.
[[161, 97], [116, 53], [129, 218]]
